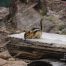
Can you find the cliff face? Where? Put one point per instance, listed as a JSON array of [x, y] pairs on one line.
[[22, 20], [3, 12], [26, 18]]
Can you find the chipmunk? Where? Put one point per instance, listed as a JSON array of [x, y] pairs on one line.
[[34, 33]]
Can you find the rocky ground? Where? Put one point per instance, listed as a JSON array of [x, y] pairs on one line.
[[53, 22]]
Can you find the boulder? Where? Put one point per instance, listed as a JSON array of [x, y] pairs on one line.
[[2, 62]]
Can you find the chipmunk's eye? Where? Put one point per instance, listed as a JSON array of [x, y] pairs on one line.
[[27, 35]]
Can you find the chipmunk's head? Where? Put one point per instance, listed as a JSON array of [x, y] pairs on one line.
[[27, 34]]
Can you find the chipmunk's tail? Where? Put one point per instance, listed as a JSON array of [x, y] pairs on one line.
[[41, 24]]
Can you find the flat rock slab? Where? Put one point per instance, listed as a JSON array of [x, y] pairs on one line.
[[56, 39]]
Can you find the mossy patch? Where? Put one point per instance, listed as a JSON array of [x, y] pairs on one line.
[[5, 3]]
